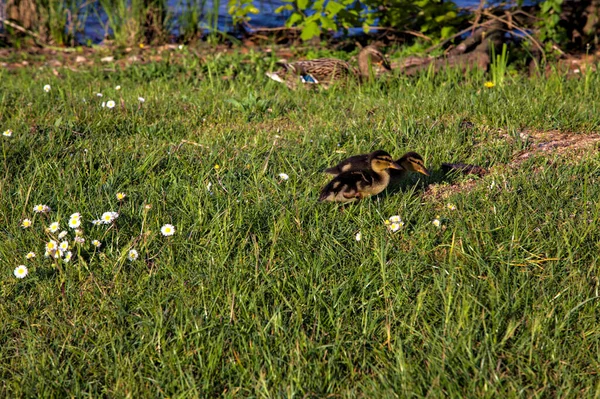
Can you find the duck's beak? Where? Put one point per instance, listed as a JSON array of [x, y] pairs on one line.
[[395, 165], [423, 170]]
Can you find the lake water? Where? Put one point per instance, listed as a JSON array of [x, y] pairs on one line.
[[97, 20]]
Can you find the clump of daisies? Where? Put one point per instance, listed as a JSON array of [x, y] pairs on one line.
[[75, 220], [394, 223]]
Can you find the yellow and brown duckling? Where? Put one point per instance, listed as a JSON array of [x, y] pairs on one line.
[[354, 185], [409, 162], [325, 71]]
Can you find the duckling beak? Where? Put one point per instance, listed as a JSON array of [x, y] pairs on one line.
[[394, 165], [423, 170]]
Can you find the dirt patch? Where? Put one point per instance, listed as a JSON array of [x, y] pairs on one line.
[[541, 144], [556, 143]]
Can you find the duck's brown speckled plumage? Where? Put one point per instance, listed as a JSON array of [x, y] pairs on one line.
[[325, 71]]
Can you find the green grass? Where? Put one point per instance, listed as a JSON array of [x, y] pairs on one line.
[[263, 291]]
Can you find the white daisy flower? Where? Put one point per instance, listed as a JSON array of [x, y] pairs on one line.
[[141, 99], [68, 256], [283, 176], [41, 208], [96, 222], [30, 255], [79, 240], [64, 246], [62, 234], [452, 207], [96, 243], [54, 227], [167, 230], [109, 217], [110, 104], [7, 133], [47, 88], [395, 226], [74, 223], [103, 104], [21, 271], [395, 219], [132, 255], [180, 47], [51, 246], [99, 94], [358, 236], [26, 223], [75, 215], [436, 222], [117, 87], [121, 196]]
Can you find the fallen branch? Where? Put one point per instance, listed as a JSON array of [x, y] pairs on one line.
[[512, 25]]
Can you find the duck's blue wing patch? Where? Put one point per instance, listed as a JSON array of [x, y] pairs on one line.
[[309, 79]]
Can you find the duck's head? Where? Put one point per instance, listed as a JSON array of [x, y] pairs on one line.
[[380, 160], [371, 55], [413, 162]]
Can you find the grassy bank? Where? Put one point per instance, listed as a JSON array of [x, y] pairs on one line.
[[262, 291]]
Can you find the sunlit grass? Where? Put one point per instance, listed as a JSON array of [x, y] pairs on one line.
[[262, 291]]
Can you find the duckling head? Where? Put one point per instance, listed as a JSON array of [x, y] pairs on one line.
[[381, 160], [370, 55], [413, 162]]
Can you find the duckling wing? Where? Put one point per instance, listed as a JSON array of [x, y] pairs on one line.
[[356, 162], [348, 186]]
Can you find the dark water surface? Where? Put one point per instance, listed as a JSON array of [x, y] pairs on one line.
[[97, 20]]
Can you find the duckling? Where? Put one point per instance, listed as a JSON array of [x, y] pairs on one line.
[[354, 185], [409, 162], [325, 71]]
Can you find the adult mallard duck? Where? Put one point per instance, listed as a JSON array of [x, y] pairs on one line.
[[409, 162], [325, 71], [357, 184]]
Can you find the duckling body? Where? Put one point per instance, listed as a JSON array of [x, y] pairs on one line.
[[409, 162], [325, 71], [354, 185]]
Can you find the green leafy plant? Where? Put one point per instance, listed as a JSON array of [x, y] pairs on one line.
[[315, 16], [240, 11], [549, 19], [436, 18]]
